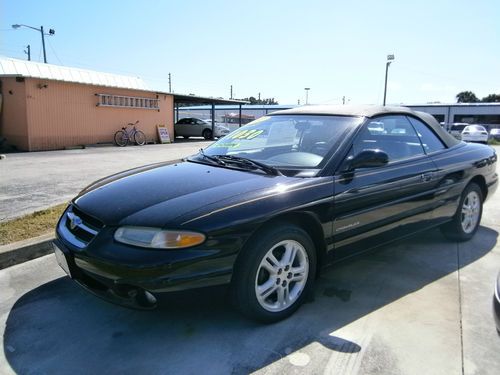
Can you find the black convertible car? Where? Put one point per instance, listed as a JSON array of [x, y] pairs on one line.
[[267, 207]]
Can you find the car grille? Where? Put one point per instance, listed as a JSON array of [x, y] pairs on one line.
[[78, 228]]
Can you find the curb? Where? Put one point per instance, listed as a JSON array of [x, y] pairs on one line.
[[22, 251]]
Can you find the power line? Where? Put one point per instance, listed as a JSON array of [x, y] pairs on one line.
[[54, 51]]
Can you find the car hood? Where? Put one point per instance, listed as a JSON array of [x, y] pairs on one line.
[[155, 195]]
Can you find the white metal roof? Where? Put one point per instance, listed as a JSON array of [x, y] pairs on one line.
[[10, 67]]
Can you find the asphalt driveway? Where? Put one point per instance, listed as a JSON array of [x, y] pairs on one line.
[[31, 181]]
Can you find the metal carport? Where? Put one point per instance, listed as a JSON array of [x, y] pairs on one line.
[[187, 100]]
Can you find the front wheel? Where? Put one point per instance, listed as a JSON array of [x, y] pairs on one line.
[[139, 138], [468, 216], [207, 134], [121, 138], [274, 274]]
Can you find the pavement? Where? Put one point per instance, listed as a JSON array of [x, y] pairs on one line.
[[32, 181], [418, 306]]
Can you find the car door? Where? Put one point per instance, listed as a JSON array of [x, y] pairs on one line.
[[200, 126], [397, 196], [181, 127]]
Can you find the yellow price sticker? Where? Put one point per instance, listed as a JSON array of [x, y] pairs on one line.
[[247, 134]]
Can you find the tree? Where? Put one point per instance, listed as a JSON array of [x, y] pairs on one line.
[[467, 97], [492, 98]]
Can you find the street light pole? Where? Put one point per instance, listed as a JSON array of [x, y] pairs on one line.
[[307, 94], [390, 58], [43, 45], [51, 32]]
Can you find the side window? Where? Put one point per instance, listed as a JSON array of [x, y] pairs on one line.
[[429, 140], [392, 134]]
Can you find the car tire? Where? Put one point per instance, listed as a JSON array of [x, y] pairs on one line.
[[466, 220], [207, 134], [274, 273]]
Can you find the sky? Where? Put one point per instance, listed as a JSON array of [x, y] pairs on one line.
[[276, 48]]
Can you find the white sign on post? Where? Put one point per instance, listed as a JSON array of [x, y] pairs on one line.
[[163, 134]]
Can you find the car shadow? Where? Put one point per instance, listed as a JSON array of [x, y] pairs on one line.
[[60, 328]]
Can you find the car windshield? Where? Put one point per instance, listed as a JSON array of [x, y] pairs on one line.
[[284, 141]]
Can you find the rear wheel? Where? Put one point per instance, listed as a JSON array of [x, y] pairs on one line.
[[468, 216], [207, 134], [274, 274], [139, 138], [121, 138]]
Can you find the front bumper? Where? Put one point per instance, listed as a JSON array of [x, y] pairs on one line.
[[474, 138], [128, 275], [135, 285]]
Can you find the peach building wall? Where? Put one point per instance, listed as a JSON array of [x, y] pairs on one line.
[[13, 123], [65, 114]]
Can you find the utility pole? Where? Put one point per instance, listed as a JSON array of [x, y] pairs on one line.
[[231, 92], [259, 97], [169, 82], [43, 44], [51, 32], [28, 52], [390, 58], [343, 100]]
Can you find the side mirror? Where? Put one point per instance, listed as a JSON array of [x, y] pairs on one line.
[[368, 159]]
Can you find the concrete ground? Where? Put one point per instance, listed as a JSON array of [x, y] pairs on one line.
[[32, 181], [419, 306]]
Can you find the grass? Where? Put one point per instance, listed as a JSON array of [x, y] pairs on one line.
[[494, 142], [32, 225]]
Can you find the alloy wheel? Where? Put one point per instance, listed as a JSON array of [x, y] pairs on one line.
[[282, 276], [471, 208]]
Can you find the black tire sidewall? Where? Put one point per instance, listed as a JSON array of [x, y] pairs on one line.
[[207, 134], [246, 267]]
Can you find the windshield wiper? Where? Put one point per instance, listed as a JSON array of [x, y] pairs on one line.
[[214, 159], [249, 163]]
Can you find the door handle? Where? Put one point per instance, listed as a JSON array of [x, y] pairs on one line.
[[426, 177]]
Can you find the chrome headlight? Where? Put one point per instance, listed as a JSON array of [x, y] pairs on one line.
[[158, 238]]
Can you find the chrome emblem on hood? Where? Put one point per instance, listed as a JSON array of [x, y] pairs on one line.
[[74, 221]]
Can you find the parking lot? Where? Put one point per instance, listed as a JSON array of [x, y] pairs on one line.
[[33, 181], [418, 306]]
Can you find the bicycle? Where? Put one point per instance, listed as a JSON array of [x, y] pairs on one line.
[[124, 136]]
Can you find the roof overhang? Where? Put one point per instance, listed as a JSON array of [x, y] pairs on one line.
[[194, 99]]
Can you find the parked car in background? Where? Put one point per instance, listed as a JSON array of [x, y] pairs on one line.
[[475, 133], [495, 134], [267, 207], [456, 129], [195, 127]]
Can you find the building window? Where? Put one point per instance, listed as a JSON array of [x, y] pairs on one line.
[[439, 118], [107, 100], [477, 119]]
